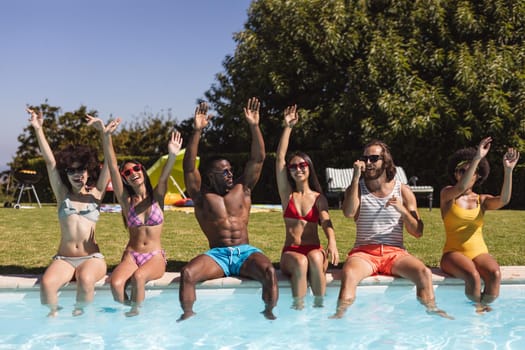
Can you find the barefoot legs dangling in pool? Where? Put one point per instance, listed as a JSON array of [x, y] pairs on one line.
[[382, 208], [222, 208], [72, 173], [465, 254]]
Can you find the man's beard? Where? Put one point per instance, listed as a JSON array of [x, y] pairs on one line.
[[375, 173]]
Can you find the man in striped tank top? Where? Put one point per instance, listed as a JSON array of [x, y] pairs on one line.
[[381, 206]]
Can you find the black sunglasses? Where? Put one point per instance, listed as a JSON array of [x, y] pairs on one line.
[[224, 172], [71, 170], [373, 158], [135, 169]]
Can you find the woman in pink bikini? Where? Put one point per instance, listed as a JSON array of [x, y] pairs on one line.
[[78, 184], [305, 207], [142, 207]]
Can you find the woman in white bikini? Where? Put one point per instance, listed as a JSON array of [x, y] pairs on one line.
[[142, 207], [305, 208], [78, 184]]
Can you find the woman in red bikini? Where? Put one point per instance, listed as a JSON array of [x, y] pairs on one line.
[[142, 207], [305, 207]]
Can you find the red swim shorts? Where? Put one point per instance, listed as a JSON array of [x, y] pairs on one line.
[[380, 257], [302, 249]]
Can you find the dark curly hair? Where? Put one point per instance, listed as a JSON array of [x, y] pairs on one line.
[[313, 181], [466, 155], [388, 160], [85, 155]]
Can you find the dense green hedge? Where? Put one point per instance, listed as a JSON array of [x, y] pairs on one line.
[[266, 190]]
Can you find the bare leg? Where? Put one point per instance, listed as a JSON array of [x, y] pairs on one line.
[[296, 266], [199, 269], [413, 269], [152, 270], [260, 268], [458, 265], [318, 264], [86, 275], [55, 276], [491, 274], [120, 277], [354, 270]]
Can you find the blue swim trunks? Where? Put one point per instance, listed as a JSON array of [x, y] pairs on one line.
[[230, 259]]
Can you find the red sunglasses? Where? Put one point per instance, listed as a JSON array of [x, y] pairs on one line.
[[294, 167], [134, 169]]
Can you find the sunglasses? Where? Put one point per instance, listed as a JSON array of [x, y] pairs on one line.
[[373, 158], [72, 171], [225, 172], [134, 169], [294, 167]]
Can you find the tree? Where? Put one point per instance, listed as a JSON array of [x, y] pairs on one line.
[[425, 76], [145, 139]]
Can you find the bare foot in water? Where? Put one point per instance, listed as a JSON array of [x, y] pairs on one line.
[[482, 308], [318, 301], [186, 315], [298, 304], [53, 312], [78, 311], [268, 313], [133, 312], [439, 312], [342, 305]]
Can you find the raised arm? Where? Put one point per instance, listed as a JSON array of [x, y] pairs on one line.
[[451, 192], [192, 177], [290, 119], [510, 159], [253, 169], [174, 146], [37, 121], [352, 199], [109, 155]]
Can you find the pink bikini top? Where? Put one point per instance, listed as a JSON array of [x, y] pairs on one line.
[[292, 213], [156, 217]]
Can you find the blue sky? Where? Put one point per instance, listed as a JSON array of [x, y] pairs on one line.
[[119, 57]]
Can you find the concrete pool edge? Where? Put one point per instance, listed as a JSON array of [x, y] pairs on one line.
[[510, 275]]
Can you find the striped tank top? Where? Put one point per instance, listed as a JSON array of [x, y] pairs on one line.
[[377, 224]]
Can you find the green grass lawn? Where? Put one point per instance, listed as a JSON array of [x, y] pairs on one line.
[[30, 237]]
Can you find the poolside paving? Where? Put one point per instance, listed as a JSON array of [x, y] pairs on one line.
[[510, 275]]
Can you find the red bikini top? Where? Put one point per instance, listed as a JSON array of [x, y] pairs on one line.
[[291, 211]]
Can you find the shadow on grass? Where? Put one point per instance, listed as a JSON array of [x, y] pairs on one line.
[[172, 266]]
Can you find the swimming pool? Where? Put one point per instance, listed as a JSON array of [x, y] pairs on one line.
[[383, 317]]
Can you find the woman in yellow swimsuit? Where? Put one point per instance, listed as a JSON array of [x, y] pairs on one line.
[[465, 254], [304, 208], [78, 184]]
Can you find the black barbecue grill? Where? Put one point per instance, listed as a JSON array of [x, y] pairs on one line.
[[26, 182]]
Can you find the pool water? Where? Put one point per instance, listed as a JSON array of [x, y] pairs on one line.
[[381, 318]]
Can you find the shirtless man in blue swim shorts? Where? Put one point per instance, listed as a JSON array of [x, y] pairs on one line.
[[222, 208]]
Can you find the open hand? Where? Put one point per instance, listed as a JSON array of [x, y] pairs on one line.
[[251, 111], [175, 143], [202, 118], [291, 117]]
